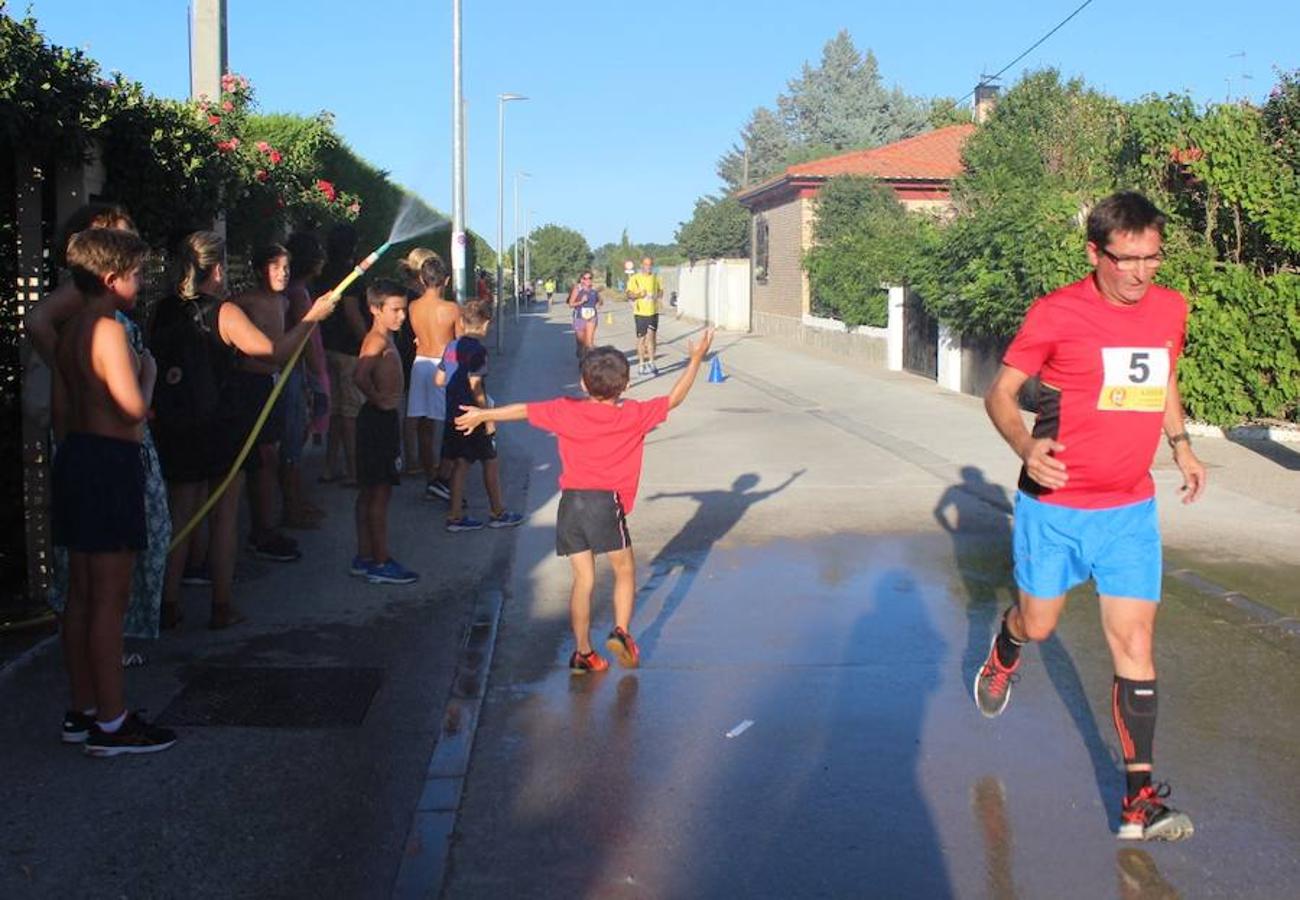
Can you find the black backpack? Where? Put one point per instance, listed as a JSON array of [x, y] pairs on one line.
[[191, 363]]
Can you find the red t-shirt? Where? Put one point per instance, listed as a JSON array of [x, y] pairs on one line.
[[1105, 374], [600, 443]]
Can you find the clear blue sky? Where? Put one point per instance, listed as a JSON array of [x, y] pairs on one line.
[[633, 103]]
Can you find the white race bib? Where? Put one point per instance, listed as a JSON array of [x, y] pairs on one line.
[[1136, 379], [588, 312]]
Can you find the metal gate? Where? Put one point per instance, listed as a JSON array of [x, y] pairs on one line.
[[920, 338]]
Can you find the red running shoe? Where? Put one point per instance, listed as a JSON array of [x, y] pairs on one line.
[[993, 683], [1147, 818], [582, 663], [621, 644]]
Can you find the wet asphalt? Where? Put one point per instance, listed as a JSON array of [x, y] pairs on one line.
[[816, 591]]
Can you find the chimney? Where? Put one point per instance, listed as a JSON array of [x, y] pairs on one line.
[[986, 98]]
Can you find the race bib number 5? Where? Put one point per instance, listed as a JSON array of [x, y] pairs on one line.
[[1136, 379]]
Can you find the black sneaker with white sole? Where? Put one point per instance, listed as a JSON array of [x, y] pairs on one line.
[[135, 736], [76, 727]]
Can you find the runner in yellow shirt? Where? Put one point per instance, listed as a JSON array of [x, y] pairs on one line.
[[644, 290]]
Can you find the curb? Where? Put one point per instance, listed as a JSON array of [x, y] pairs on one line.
[[1245, 432], [428, 843], [7, 669]]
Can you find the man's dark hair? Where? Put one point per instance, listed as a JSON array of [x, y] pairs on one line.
[[605, 372], [95, 253], [1127, 212], [381, 289], [305, 253], [476, 312], [92, 215], [341, 243]]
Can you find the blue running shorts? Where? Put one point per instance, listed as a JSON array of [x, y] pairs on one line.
[[1058, 547]]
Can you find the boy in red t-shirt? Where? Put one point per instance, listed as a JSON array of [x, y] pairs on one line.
[[601, 441]]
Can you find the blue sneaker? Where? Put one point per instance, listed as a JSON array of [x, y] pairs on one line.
[[465, 523], [507, 519], [391, 572], [361, 567]]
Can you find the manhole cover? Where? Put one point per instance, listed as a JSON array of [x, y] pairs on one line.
[[301, 697]]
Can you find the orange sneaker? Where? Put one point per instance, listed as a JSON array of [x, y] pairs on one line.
[[582, 663], [621, 644]]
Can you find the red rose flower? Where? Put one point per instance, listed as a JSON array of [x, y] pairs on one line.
[[276, 157], [227, 106], [214, 120], [261, 175], [263, 146], [326, 188]]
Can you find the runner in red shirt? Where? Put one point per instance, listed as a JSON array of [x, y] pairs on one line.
[[1105, 350], [601, 438]]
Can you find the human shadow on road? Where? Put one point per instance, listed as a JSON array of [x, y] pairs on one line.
[[825, 798], [974, 512], [717, 513], [1280, 453]]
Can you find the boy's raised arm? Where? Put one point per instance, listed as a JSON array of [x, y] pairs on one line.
[[686, 379], [472, 417]]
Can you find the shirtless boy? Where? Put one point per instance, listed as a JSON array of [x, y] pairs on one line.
[[379, 434], [98, 489], [266, 306], [436, 322]]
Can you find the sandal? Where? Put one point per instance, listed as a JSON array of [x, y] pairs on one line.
[[224, 616]]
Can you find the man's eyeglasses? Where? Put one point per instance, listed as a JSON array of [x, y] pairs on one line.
[[1132, 263]]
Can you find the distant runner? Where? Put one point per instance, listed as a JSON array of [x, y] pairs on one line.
[[644, 290], [585, 302], [1106, 351]]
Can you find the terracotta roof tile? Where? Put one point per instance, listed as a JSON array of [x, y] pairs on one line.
[[932, 155]]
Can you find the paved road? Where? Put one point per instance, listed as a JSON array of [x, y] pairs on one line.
[[822, 556]]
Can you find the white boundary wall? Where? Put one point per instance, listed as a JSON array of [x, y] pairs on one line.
[[714, 291]]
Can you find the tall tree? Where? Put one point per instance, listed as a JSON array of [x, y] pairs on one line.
[[843, 104], [558, 252], [765, 140], [719, 228]]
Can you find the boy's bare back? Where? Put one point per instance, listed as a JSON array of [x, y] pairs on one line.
[[434, 321], [100, 374]]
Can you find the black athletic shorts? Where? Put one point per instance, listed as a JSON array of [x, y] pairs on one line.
[[97, 495], [590, 520], [477, 446], [379, 446], [646, 323], [245, 393]]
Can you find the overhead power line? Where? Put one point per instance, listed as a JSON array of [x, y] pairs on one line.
[[1032, 47]]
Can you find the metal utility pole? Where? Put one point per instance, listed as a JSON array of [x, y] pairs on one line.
[[515, 271], [459, 272], [502, 100], [528, 246]]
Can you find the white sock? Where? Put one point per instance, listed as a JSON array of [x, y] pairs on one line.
[[113, 726]]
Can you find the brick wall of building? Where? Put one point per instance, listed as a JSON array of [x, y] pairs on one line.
[[785, 291]]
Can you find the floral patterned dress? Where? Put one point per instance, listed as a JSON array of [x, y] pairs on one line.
[[142, 611]]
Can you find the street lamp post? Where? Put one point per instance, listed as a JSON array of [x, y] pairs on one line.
[[515, 270], [528, 246], [502, 100], [460, 276]]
